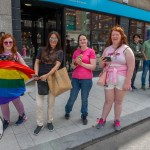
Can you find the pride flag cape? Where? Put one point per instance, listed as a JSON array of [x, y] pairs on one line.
[[13, 76]]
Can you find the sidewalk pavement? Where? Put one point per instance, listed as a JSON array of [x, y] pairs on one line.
[[21, 137]]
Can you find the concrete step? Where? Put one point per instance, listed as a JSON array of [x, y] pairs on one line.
[[94, 139]]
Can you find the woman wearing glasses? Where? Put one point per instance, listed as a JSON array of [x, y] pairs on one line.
[[48, 60], [10, 80]]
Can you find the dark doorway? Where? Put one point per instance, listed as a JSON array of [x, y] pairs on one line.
[[38, 19]]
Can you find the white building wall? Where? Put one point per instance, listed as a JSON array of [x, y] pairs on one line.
[[5, 16]]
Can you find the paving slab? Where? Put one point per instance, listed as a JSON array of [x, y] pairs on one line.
[[136, 108]]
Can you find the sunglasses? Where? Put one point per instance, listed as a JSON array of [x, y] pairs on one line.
[[53, 39], [8, 42]]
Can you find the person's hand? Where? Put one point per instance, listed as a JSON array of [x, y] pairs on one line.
[[44, 77], [52, 71], [127, 86], [36, 77], [102, 61], [106, 60], [145, 58], [78, 60], [73, 65]]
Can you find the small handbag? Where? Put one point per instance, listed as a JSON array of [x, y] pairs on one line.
[[59, 82], [102, 79], [43, 88]]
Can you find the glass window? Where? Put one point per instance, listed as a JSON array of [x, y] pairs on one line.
[[96, 26], [136, 27], [101, 25], [29, 38], [147, 31], [77, 22]]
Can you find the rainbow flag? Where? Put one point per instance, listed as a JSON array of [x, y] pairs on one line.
[[13, 76]]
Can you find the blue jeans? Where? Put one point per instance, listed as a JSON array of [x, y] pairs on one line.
[[85, 85], [146, 68]]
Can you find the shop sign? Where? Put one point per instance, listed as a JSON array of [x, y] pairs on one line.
[[87, 3], [83, 2], [91, 4]]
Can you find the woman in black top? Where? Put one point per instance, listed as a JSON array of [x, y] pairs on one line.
[[48, 60]]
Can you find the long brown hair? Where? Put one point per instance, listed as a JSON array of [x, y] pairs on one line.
[[14, 47], [48, 49], [123, 36], [82, 34]]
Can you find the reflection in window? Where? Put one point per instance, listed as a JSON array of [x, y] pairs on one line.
[[147, 31], [136, 27], [77, 22], [95, 26], [101, 25]]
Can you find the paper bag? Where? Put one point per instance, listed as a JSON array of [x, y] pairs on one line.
[[59, 82]]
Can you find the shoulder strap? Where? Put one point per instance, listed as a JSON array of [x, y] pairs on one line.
[[125, 49], [41, 50], [17, 57]]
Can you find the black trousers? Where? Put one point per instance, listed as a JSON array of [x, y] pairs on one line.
[[137, 63]]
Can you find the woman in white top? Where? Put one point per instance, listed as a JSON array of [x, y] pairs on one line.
[[119, 73]]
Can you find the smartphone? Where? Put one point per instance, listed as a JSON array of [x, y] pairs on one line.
[[107, 58]]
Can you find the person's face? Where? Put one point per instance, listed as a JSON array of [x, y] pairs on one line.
[[115, 37], [8, 44], [83, 41], [53, 40], [136, 39]]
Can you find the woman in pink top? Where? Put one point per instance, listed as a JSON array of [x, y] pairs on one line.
[[84, 62], [119, 73]]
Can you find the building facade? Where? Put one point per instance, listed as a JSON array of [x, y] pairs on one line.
[[144, 4], [31, 21], [5, 17]]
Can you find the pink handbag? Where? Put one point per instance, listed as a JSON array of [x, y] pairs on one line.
[[102, 79]]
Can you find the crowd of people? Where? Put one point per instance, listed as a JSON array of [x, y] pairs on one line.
[[121, 69]]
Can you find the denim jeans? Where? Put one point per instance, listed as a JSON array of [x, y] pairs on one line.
[[146, 68], [85, 85], [137, 63]]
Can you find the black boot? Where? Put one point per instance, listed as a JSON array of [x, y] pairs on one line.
[[21, 119], [84, 120]]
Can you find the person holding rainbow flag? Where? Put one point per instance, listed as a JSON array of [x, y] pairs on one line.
[[13, 74]]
